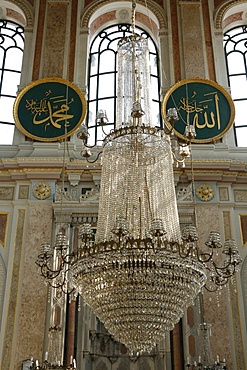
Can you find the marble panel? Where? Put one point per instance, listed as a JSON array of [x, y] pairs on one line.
[[215, 305], [6, 193], [175, 41], [192, 345], [223, 194], [54, 43], [240, 195], [237, 330], [227, 224], [73, 34], [23, 192], [192, 41], [232, 18], [243, 228], [39, 41], [208, 41], [104, 18], [16, 16], [30, 333], [14, 288], [3, 227]]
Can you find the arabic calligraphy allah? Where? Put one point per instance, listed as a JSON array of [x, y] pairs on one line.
[[198, 111]]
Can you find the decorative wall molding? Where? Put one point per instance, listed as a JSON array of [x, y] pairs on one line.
[[27, 9], [190, 2], [2, 285], [240, 196], [14, 291], [244, 287], [96, 5], [222, 9], [7, 192]]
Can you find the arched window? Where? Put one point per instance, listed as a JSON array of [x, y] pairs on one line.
[[235, 46], [11, 53], [102, 79]]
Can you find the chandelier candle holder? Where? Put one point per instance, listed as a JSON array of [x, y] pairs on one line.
[[140, 273], [35, 365], [205, 359]]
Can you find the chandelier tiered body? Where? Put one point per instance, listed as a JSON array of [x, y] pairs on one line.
[[133, 276], [139, 273]]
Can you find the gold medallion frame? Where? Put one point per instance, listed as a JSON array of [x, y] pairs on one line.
[[204, 81], [39, 82]]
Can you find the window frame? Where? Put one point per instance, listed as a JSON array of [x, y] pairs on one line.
[[121, 30], [16, 34], [226, 39]]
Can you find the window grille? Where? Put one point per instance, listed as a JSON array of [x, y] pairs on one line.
[[102, 79]]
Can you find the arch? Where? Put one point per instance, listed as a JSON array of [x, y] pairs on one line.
[[27, 9], [144, 364], [101, 365], [222, 9], [123, 365], [97, 4]]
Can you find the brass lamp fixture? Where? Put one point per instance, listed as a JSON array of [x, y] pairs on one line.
[[205, 359], [140, 273]]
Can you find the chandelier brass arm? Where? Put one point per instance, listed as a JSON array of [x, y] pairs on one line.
[[140, 272]]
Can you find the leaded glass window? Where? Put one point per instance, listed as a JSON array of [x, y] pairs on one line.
[[102, 80], [235, 46], [11, 53]]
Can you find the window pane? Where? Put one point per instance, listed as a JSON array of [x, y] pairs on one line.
[[156, 114], [92, 114], [106, 85], [93, 88], [107, 61], [236, 63], [153, 64], [94, 63], [6, 109], [95, 45], [108, 106], [6, 134], [241, 133], [240, 108], [10, 82], [238, 86], [91, 138], [155, 88], [14, 59]]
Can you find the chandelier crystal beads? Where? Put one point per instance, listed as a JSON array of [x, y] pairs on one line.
[[140, 273]]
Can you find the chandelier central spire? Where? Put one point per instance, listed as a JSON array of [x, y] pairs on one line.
[[133, 276]]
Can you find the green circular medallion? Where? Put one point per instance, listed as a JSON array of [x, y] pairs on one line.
[[202, 103], [49, 109]]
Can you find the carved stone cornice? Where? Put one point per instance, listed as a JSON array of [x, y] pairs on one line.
[[190, 2], [222, 9], [27, 9], [97, 4]]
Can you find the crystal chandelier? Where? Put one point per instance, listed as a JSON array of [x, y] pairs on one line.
[[141, 272], [205, 360], [52, 356]]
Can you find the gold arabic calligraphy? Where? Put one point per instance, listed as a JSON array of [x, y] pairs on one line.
[[50, 110], [210, 119]]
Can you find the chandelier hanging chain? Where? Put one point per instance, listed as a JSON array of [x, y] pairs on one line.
[[133, 16]]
